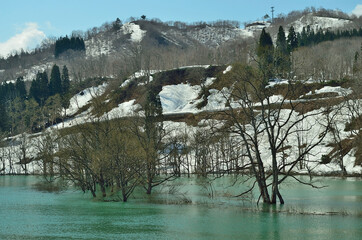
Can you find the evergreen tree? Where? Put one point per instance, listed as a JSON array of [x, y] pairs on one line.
[[20, 87], [117, 24], [265, 45], [8, 92], [303, 38], [44, 86], [282, 61], [65, 95], [39, 88], [265, 52], [55, 83], [3, 117], [34, 89], [281, 43], [65, 80], [318, 36], [53, 107], [32, 114], [292, 40]]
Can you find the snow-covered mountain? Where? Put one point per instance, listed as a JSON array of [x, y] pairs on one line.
[[164, 35], [155, 36]]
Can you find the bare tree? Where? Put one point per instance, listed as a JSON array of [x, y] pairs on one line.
[[2, 153], [151, 133], [265, 124]]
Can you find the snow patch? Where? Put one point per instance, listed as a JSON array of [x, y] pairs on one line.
[[209, 81], [273, 99], [194, 66], [136, 32], [83, 98], [124, 109], [179, 98], [217, 99], [276, 81], [228, 69], [328, 89]]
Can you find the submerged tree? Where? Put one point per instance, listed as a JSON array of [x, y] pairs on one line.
[[267, 126], [101, 156], [151, 134]]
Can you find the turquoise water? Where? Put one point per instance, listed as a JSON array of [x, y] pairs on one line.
[[334, 212]]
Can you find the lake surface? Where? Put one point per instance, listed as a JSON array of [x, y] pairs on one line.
[[334, 212]]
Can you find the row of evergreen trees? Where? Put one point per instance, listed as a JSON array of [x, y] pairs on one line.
[[17, 107], [41, 88], [275, 59], [309, 37], [65, 43], [9, 92]]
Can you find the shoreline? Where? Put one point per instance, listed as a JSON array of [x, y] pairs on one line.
[[352, 175]]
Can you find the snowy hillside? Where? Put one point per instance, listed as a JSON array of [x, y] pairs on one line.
[[136, 33], [317, 23], [98, 46], [184, 98], [215, 36]]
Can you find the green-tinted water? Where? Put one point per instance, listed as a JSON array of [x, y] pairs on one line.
[[330, 213]]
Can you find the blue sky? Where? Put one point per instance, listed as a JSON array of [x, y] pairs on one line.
[[24, 23]]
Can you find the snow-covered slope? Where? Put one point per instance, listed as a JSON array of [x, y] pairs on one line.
[[98, 45], [84, 97], [180, 98], [215, 36], [134, 30], [316, 23]]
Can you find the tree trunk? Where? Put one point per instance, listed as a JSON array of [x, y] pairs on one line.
[[101, 184], [281, 200], [149, 188], [124, 194], [275, 189], [264, 191]]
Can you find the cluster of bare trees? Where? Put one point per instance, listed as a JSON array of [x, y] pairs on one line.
[[257, 116], [346, 127], [111, 158], [16, 155], [331, 60]]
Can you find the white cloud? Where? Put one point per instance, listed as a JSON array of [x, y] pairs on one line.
[[29, 38], [357, 10]]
